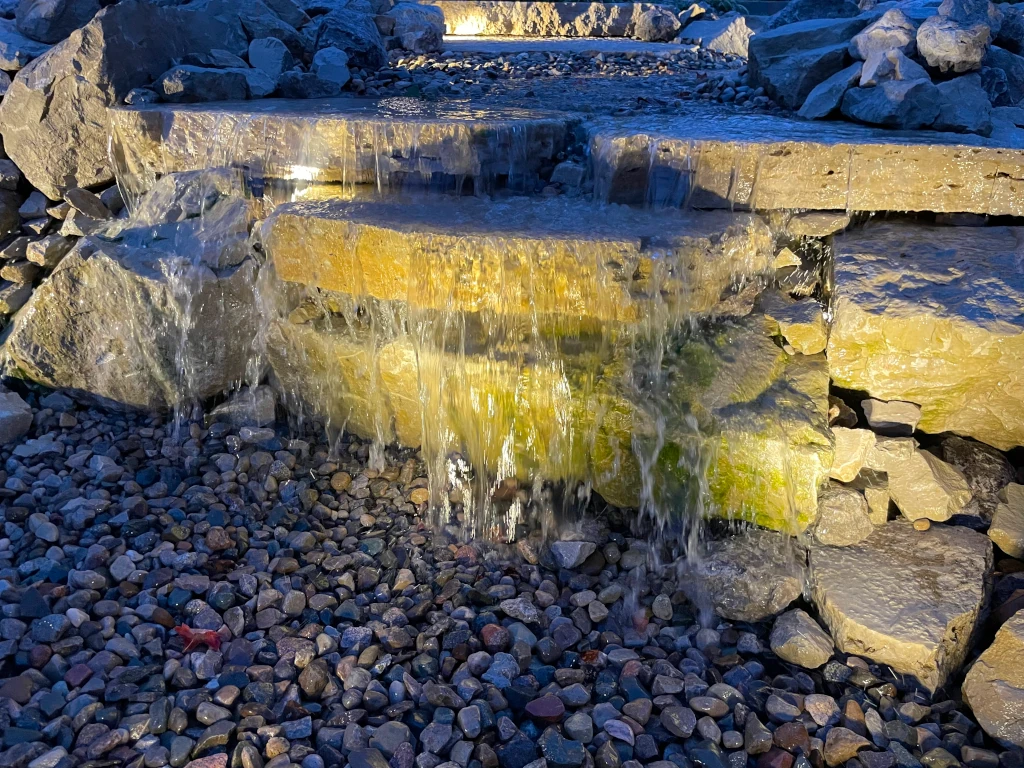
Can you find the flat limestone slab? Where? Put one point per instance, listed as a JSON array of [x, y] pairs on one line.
[[934, 316], [503, 46], [540, 19], [910, 599], [715, 159], [519, 256], [994, 686], [349, 140], [532, 411]]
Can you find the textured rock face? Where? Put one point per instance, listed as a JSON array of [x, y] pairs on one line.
[[656, 26], [906, 598], [931, 315], [764, 162], [419, 27], [904, 104], [564, 19], [1007, 529], [53, 125], [729, 34], [133, 321], [15, 416], [417, 253], [842, 517], [50, 21], [893, 31], [826, 97], [994, 686], [751, 576], [798, 639], [948, 44]]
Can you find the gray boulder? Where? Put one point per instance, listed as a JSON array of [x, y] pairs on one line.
[[890, 65], [1007, 71], [948, 44], [15, 416], [128, 318], [893, 31], [728, 34], [356, 34], [188, 84], [49, 116], [331, 65], [805, 10], [16, 50], [271, 56], [656, 25], [905, 104], [260, 83], [420, 28], [50, 21], [827, 96], [1011, 31], [790, 80], [964, 106], [306, 85]]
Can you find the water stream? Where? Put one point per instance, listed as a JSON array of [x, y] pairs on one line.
[[544, 354]]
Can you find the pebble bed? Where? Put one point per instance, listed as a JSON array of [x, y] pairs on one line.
[[327, 625]]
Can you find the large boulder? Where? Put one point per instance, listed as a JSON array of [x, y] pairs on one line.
[[749, 577], [356, 34], [826, 97], [791, 61], [1010, 70], [50, 21], [994, 686], [158, 311], [54, 116], [904, 104], [893, 31], [949, 44], [930, 315], [419, 28], [16, 50], [187, 84], [729, 34], [964, 106], [909, 599], [805, 10]]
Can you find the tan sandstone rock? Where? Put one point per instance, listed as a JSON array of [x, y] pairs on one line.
[[921, 484], [1007, 529], [798, 639], [852, 446], [892, 418], [906, 598], [843, 517], [931, 315], [800, 322], [994, 686]]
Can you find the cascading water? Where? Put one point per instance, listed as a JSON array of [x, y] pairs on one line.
[[537, 351]]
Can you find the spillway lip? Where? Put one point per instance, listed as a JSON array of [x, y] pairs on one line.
[[726, 127], [392, 109]]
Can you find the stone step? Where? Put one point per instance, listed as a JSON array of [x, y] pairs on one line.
[[935, 316], [540, 19], [354, 141], [535, 411], [519, 256], [715, 159]]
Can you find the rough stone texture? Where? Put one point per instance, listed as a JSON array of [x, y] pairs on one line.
[[729, 34], [909, 599], [798, 639], [16, 50], [15, 416], [842, 517], [948, 44], [931, 315], [986, 469], [118, 319], [895, 417], [789, 80], [802, 165], [191, 84], [800, 322], [904, 104], [750, 577], [892, 31], [658, 25], [921, 484], [1007, 529], [541, 19], [397, 251], [355, 33], [806, 10], [53, 125], [420, 28], [964, 106], [852, 446], [50, 21], [826, 97], [994, 686], [340, 138], [882, 66]]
